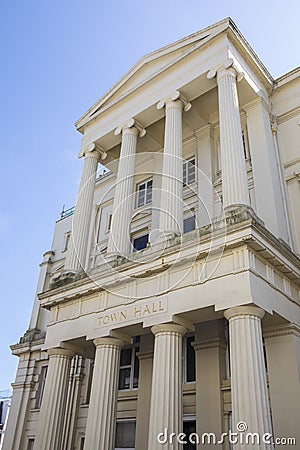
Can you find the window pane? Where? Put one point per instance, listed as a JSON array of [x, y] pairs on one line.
[[124, 378], [184, 173], [191, 171], [189, 224], [136, 369], [42, 381], [125, 435], [140, 242], [149, 191], [190, 360], [125, 357], [141, 196]]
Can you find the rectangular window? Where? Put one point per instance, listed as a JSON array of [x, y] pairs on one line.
[[125, 435], [189, 224], [144, 193], [189, 427], [140, 242], [66, 241], [108, 222], [30, 444], [129, 367], [189, 360], [82, 439], [189, 171], [41, 386], [89, 380]]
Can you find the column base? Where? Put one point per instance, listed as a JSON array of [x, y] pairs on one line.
[[238, 213]]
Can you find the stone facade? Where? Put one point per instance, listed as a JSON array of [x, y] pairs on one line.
[[169, 302]]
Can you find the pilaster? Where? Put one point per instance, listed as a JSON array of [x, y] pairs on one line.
[[283, 360], [145, 356], [210, 353]]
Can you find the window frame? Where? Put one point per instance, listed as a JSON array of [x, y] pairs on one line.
[[185, 163], [135, 348], [185, 360], [133, 420], [186, 218], [41, 386], [145, 202]]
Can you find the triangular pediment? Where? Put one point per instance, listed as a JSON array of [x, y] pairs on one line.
[[151, 65]]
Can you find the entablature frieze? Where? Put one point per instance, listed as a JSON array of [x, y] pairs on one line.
[[243, 245]]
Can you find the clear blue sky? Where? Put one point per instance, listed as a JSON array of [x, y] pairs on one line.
[[57, 58]]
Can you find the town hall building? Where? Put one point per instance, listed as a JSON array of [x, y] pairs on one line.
[[168, 308]]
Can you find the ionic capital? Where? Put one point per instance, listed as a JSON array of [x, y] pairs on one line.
[[92, 151], [177, 97], [223, 68], [131, 126]]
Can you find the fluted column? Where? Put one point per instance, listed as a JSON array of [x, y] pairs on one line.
[[77, 252], [119, 238], [166, 394], [171, 209], [52, 412], [101, 421], [234, 174], [249, 393]]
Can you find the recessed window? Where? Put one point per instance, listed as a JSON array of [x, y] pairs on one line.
[[189, 224], [66, 241], [125, 435], [90, 364], [189, 427], [189, 171], [30, 444], [108, 222], [144, 193], [189, 362], [141, 242], [41, 386], [129, 367]]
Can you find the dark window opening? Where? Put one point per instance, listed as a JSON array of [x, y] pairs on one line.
[[189, 427], [141, 242]]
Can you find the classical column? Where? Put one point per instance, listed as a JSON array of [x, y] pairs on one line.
[[101, 421], [73, 402], [77, 252], [166, 394], [234, 174], [210, 354], [52, 411], [171, 206], [119, 238], [249, 392]]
